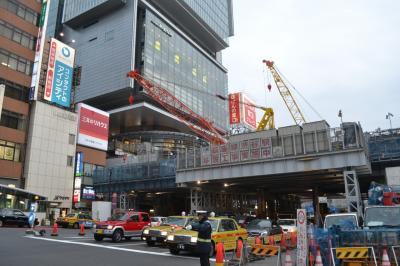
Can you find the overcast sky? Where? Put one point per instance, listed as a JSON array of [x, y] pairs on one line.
[[342, 54]]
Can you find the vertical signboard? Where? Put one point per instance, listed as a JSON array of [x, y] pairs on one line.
[[2, 90], [59, 73], [37, 64], [249, 111], [93, 127], [77, 195], [302, 245], [79, 164], [234, 108]]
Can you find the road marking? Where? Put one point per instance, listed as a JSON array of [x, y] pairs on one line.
[[131, 244], [111, 247], [79, 237]]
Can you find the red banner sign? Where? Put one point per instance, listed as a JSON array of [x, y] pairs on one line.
[[234, 108]]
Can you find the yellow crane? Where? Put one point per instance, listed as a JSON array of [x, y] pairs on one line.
[[290, 102], [267, 119]]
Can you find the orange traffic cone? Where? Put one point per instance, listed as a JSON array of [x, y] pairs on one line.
[[311, 259], [318, 259], [258, 240], [271, 240], [55, 230], [219, 257], [385, 258], [288, 258], [239, 248], [82, 230], [283, 241]]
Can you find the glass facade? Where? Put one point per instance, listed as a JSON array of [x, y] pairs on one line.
[[173, 63], [10, 151], [215, 13], [15, 62]]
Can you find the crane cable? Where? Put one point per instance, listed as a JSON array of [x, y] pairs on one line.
[[298, 92]]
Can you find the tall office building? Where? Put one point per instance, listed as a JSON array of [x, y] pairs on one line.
[[177, 45], [18, 31]]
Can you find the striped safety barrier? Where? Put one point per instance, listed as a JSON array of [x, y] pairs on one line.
[[355, 254]]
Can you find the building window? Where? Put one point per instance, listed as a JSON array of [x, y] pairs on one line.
[[15, 91], [10, 151], [71, 139], [12, 120], [20, 10], [12, 33], [70, 160], [15, 62]]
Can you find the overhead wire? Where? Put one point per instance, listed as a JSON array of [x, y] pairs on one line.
[[221, 97]]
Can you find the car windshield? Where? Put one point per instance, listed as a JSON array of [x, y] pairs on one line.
[[213, 223], [259, 224], [119, 217], [287, 222], [71, 215], [154, 219], [382, 216], [178, 221], [344, 221]]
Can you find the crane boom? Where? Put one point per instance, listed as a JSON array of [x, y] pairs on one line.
[[286, 94], [166, 99]]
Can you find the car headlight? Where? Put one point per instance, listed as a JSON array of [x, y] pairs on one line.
[[291, 230], [164, 233], [170, 238], [109, 227], [146, 231], [193, 239]]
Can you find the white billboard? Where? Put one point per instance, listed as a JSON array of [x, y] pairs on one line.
[[93, 127]]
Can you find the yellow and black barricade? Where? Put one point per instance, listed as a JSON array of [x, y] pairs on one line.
[[353, 255]]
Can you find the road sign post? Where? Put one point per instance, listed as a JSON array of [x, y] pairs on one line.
[[302, 243]]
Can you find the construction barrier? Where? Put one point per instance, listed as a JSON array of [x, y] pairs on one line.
[[55, 230], [396, 254], [82, 230], [353, 255]]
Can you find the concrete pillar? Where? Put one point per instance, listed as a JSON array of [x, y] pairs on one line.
[[261, 211], [317, 215]]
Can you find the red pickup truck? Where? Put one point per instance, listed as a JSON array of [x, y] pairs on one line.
[[122, 225]]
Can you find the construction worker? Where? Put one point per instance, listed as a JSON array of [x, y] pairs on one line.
[[203, 238]]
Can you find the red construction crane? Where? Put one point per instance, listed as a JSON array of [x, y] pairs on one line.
[[166, 99]]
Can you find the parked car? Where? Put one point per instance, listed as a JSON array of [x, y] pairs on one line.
[[288, 225], [74, 220], [157, 220], [264, 228], [159, 234], [122, 225], [224, 230], [13, 217]]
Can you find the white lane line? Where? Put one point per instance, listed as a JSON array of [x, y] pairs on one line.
[[79, 237], [110, 247], [131, 244]]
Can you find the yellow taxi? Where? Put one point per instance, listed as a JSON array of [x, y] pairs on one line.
[[158, 234], [74, 220], [224, 230]]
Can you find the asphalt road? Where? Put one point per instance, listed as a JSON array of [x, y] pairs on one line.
[[69, 249]]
